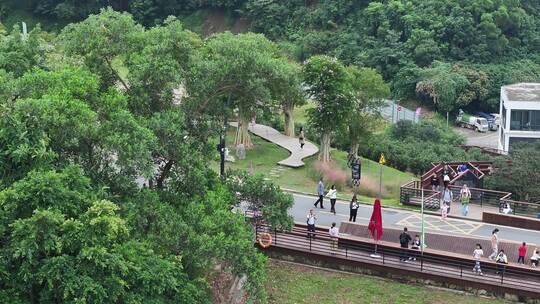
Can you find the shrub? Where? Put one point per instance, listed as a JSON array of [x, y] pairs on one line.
[[331, 173]]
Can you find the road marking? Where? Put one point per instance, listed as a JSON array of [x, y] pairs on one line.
[[437, 224]]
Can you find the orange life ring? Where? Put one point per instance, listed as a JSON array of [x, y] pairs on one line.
[[265, 240]]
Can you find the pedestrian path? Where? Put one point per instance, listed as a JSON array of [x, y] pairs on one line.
[[290, 143], [398, 218]]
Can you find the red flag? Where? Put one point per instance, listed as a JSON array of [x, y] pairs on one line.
[[375, 223]]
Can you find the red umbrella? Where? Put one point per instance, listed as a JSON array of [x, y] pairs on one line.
[[375, 223]]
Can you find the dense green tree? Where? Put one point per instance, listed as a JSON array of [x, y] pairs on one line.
[[241, 72], [99, 40], [289, 93], [451, 87], [62, 117], [369, 91], [19, 53], [62, 244], [518, 173], [328, 85]]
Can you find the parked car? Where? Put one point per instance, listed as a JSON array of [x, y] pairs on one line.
[[492, 120]]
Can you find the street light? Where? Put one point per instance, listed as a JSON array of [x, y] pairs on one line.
[[222, 141]]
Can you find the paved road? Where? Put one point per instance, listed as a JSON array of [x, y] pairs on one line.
[[395, 218], [290, 143], [488, 139]]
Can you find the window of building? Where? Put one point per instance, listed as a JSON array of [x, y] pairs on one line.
[[525, 120], [503, 117]]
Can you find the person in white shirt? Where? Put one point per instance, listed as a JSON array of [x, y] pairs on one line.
[[353, 206], [494, 244], [334, 235], [506, 209], [311, 223], [477, 255], [332, 194], [535, 257], [447, 197]]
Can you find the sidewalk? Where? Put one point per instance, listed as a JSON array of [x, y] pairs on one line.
[[290, 143], [399, 218]]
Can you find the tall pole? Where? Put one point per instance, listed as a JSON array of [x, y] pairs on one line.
[[380, 180], [423, 240], [222, 152], [222, 140]]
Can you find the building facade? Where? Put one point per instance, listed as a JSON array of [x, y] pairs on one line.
[[520, 115]]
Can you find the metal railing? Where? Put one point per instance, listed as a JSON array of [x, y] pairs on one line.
[[412, 191], [494, 273]]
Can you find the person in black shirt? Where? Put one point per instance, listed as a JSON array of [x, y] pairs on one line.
[[434, 182], [404, 240]]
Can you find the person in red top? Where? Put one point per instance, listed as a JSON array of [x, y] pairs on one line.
[[522, 250]]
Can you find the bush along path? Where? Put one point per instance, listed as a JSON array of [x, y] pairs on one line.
[[290, 143]]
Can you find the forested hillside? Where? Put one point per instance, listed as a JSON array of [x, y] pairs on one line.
[[449, 53]]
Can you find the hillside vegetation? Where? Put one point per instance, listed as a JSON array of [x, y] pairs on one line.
[[448, 53]]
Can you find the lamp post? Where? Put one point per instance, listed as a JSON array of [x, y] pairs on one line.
[[221, 149], [222, 139]]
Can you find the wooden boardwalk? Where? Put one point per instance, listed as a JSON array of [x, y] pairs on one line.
[[290, 143], [511, 279]]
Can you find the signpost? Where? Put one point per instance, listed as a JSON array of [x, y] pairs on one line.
[[382, 161]]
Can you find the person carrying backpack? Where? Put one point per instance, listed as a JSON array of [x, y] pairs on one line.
[[404, 240]]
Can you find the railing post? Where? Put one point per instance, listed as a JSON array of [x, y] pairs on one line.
[[481, 198], [421, 263], [310, 237], [346, 254], [502, 274], [256, 233], [383, 257], [460, 271], [275, 236]]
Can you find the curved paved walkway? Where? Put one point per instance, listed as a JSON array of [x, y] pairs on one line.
[[290, 143]]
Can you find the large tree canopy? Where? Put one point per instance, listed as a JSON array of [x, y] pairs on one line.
[[328, 84], [106, 195]]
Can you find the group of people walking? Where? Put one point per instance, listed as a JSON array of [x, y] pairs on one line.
[[447, 197], [332, 195], [500, 257]]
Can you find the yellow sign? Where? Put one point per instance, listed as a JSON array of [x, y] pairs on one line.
[[382, 161]]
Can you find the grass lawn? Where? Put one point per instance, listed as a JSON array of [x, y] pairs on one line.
[[265, 155], [293, 283]]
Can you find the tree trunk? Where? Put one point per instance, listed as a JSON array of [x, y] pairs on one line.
[[289, 120], [242, 133], [324, 153], [355, 146]]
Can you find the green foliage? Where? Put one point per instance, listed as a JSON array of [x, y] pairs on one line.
[[20, 53], [518, 173], [328, 85], [77, 139], [262, 196], [63, 244], [452, 87], [413, 147]]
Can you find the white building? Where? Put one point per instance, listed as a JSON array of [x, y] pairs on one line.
[[520, 114]]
